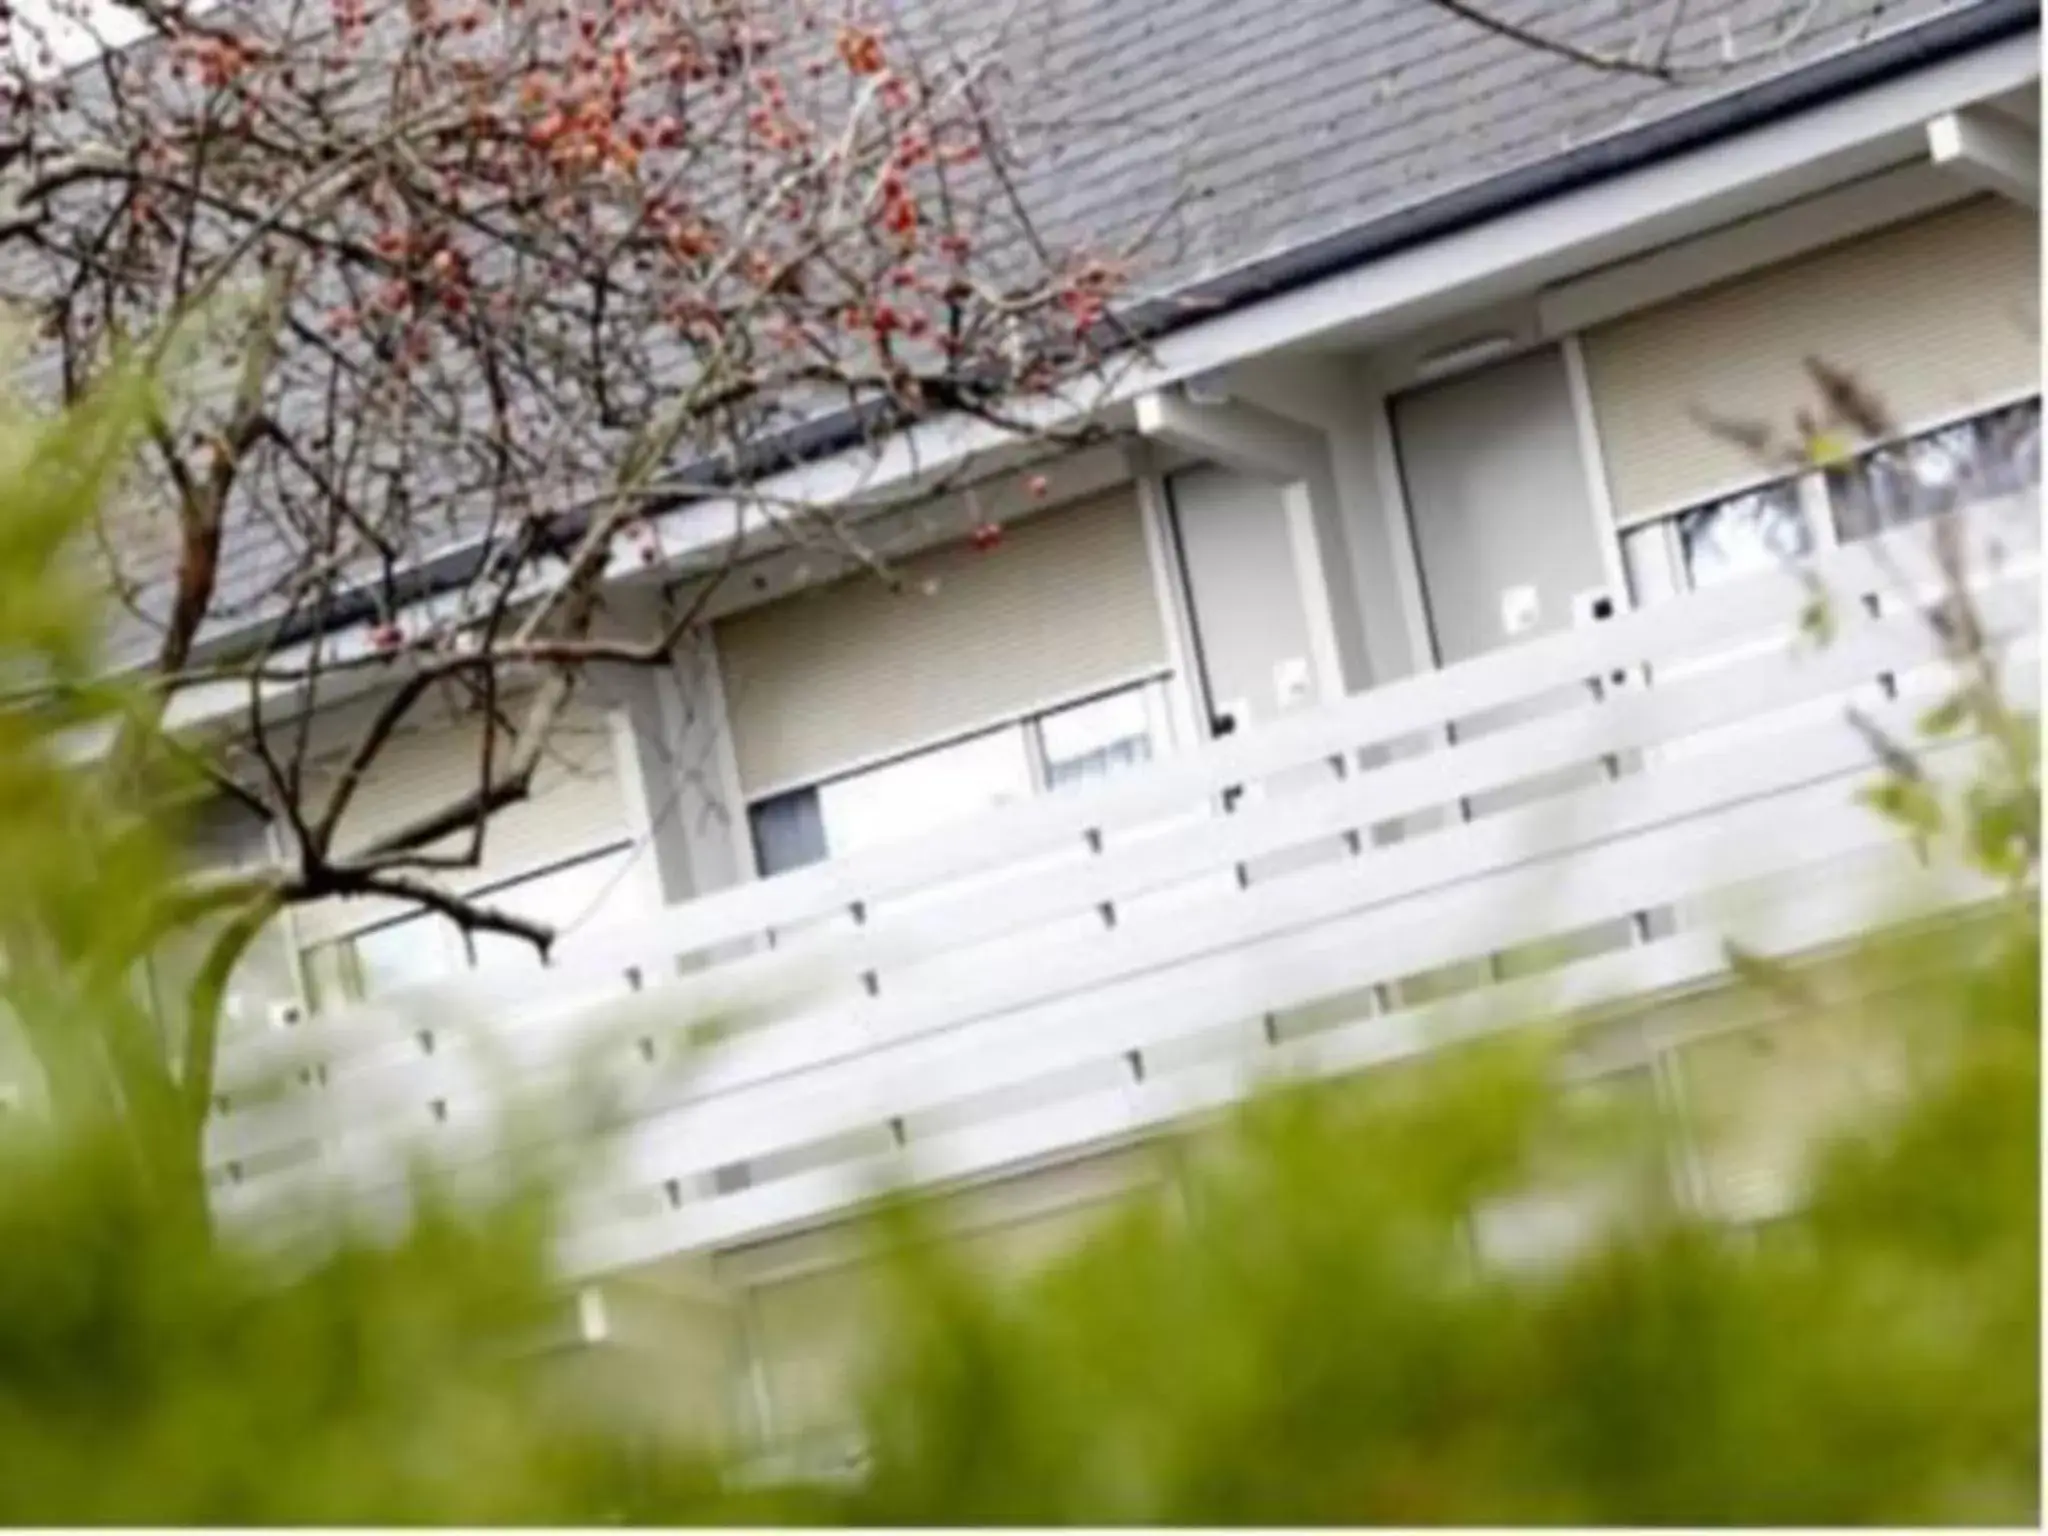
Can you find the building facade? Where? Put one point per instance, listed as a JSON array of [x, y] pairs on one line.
[[991, 871]]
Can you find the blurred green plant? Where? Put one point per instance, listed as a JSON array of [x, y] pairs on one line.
[[88, 892], [150, 1373]]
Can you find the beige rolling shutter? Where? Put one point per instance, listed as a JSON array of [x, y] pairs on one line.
[[826, 679], [576, 806], [1936, 316]]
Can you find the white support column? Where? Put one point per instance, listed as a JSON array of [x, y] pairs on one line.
[[1314, 534], [714, 819], [1185, 694], [1599, 500], [675, 764], [1989, 152], [1405, 564]]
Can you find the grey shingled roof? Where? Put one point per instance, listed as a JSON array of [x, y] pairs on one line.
[[1268, 125], [1281, 122]]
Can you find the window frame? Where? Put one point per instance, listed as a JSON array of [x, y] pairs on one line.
[[1652, 545], [1152, 687]]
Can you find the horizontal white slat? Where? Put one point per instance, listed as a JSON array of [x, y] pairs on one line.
[[1650, 970], [1221, 984], [943, 1056], [780, 978], [416, 1077]]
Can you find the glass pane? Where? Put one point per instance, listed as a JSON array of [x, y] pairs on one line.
[[1990, 455], [922, 793], [1743, 534], [2009, 448], [402, 954], [789, 831], [1099, 738]]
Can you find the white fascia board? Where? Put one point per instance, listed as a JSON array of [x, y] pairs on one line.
[[1988, 153], [1856, 136]]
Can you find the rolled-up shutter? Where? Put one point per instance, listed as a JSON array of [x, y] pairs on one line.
[[576, 805], [1935, 317], [827, 679]]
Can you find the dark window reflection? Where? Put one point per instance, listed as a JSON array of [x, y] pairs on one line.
[[1743, 534], [1996, 454]]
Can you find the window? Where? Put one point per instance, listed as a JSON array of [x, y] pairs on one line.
[[929, 790], [1995, 454], [1717, 541], [917, 794], [1102, 737], [425, 946], [1743, 534]]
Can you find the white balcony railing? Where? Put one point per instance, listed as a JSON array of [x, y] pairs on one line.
[[1072, 972]]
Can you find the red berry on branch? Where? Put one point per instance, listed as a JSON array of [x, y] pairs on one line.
[[861, 50], [986, 536]]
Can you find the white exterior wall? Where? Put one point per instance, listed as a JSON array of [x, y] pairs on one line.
[[1942, 303]]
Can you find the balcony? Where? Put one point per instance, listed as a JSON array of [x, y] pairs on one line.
[[1337, 891]]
